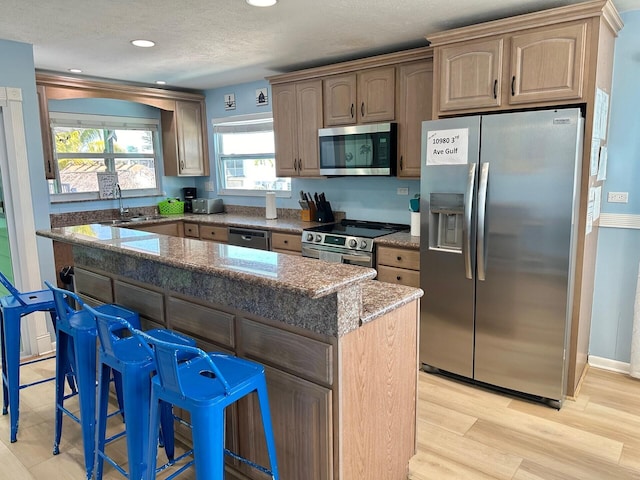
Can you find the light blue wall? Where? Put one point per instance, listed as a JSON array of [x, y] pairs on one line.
[[17, 70], [619, 248], [362, 198]]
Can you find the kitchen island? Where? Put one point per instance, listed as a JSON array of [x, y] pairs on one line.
[[339, 349]]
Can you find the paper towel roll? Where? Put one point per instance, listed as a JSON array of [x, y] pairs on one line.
[[415, 224], [270, 211], [634, 364]]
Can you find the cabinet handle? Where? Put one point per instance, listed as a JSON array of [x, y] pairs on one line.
[[362, 109], [182, 164], [300, 165], [513, 85], [352, 110], [286, 242], [495, 88], [400, 162], [49, 166], [398, 277], [295, 164], [399, 258]]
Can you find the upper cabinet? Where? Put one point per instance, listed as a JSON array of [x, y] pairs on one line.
[[535, 66], [183, 119], [183, 141], [297, 116], [414, 105], [361, 97]]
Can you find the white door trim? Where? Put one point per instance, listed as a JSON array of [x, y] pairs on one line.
[[20, 217]]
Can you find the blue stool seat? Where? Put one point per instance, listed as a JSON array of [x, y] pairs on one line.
[[12, 308], [132, 360], [76, 336], [205, 385]]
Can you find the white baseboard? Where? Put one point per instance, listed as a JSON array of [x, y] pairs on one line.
[[608, 364]]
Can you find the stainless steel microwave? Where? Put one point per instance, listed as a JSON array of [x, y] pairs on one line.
[[359, 149]]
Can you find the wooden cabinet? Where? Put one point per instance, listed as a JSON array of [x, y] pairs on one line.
[[414, 105], [286, 243], [184, 141], [174, 228], [45, 129], [191, 230], [297, 116], [362, 97], [300, 407], [398, 265], [216, 234], [542, 65]]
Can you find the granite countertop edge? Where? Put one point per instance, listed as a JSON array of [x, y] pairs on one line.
[[380, 298]]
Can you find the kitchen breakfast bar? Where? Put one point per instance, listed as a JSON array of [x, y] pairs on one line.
[[340, 349]]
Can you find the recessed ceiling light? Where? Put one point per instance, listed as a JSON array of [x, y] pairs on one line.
[[262, 3], [75, 70], [160, 82], [143, 43]]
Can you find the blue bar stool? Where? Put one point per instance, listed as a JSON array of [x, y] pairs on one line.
[[204, 386], [124, 353], [76, 337], [12, 308]]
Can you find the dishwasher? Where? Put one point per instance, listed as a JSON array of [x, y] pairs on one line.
[[248, 237]]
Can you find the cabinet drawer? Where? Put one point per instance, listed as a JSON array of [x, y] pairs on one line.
[[399, 257], [286, 241], [146, 302], [191, 230], [401, 276], [93, 285], [300, 355], [204, 322], [218, 234]]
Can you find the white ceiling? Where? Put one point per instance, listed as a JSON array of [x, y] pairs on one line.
[[207, 44]]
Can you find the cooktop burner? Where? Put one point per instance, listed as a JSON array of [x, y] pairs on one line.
[[359, 228]]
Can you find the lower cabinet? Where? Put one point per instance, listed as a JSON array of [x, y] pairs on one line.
[[301, 416], [286, 243], [398, 265], [174, 229], [191, 230], [217, 234]]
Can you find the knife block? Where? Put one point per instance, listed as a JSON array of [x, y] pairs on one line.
[[324, 213], [308, 215]]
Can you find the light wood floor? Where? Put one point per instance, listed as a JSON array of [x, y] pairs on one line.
[[464, 432]]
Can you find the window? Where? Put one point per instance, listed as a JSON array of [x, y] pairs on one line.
[[87, 144], [245, 156]]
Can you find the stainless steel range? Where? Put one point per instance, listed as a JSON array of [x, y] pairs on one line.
[[350, 241]]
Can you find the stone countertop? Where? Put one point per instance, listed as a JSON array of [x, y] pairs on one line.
[[309, 277], [400, 240], [268, 275]]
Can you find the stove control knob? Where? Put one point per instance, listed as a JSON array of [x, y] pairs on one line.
[[309, 237], [363, 244], [353, 243], [318, 238]]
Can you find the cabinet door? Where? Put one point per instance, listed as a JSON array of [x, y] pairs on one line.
[[45, 128], [340, 100], [547, 64], [301, 417], [285, 129], [376, 95], [163, 228], [470, 75], [309, 120], [415, 94], [286, 243], [191, 156]]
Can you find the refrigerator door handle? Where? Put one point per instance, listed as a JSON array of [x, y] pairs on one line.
[[482, 210], [468, 208]]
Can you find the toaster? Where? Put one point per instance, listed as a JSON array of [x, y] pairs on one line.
[[207, 205]]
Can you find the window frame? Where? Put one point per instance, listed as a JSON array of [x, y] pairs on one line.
[[229, 122], [57, 119]]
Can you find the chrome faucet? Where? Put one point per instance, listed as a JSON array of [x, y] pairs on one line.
[[123, 211]]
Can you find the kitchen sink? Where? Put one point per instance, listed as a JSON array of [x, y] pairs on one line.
[[143, 218], [116, 221]]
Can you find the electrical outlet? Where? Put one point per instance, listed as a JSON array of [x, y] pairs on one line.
[[618, 197], [403, 191], [208, 186]]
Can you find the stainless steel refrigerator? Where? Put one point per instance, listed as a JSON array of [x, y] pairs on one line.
[[499, 200]]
